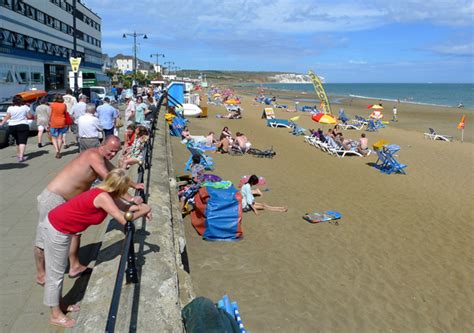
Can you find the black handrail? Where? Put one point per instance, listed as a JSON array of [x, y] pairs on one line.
[[128, 250]]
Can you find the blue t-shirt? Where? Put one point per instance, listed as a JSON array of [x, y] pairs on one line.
[[107, 114], [247, 196]]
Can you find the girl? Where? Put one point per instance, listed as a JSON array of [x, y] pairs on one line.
[[134, 154], [248, 200]]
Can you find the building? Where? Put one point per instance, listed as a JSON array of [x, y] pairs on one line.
[[36, 42], [124, 63]]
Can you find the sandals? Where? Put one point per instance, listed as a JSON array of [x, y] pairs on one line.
[[64, 322]]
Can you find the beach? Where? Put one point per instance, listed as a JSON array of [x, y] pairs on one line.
[[401, 259]]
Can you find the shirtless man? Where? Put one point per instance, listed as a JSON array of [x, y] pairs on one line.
[[76, 177]]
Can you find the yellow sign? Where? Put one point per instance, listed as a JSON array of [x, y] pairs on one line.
[[318, 86], [75, 62]]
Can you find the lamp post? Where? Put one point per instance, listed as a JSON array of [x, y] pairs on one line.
[[169, 66], [157, 55], [74, 43], [135, 35]]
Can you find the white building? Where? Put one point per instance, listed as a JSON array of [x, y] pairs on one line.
[[124, 63], [36, 41]]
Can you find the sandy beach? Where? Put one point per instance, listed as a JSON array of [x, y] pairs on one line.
[[401, 260]]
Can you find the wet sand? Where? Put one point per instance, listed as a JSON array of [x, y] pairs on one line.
[[401, 259]]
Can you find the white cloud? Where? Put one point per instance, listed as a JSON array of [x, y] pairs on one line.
[[358, 62]]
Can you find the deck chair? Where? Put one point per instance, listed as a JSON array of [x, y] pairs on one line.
[[355, 126], [342, 116], [206, 161], [268, 113], [341, 152], [432, 135], [371, 127], [274, 123], [387, 162], [361, 120]]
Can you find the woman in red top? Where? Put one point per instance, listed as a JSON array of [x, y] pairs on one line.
[[76, 215], [58, 123]]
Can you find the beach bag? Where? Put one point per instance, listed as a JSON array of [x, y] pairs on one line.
[[69, 120]]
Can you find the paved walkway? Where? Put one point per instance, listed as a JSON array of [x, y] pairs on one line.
[[20, 297]]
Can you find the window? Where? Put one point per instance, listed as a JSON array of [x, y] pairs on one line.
[[64, 27], [22, 77], [40, 16], [57, 24], [30, 12], [5, 75], [49, 20], [6, 3], [36, 77]]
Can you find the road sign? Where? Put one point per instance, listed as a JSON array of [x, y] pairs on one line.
[[75, 62]]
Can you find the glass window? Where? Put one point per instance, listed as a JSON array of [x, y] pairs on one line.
[[5, 75], [22, 77], [64, 27], [40, 16], [6, 3], [49, 20], [57, 24], [36, 77]]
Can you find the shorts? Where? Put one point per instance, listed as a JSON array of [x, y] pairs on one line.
[[47, 201], [20, 133], [58, 131], [42, 128], [86, 143]]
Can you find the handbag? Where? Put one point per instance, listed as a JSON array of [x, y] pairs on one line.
[[69, 121], [118, 122]]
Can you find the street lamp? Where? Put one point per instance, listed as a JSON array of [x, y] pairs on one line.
[[157, 55], [135, 35], [169, 66]]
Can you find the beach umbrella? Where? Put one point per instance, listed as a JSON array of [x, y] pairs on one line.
[[324, 118], [216, 95], [376, 114], [375, 107], [295, 118]]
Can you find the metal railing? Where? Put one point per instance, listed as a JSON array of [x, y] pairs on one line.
[[127, 265]]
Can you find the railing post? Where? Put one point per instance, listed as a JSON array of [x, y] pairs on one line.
[[131, 271]]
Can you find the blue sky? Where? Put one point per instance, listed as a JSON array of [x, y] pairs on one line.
[[343, 41]]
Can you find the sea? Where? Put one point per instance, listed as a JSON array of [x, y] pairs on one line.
[[440, 94]]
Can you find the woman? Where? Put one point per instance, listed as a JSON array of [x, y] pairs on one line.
[[134, 154], [58, 123], [17, 118], [43, 113], [140, 111], [248, 200], [74, 216], [225, 140]]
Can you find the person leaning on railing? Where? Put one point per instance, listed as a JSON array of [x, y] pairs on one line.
[[74, 216]]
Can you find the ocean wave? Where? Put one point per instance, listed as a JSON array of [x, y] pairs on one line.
[[401, 100]]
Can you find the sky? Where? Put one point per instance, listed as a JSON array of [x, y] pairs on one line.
[[390, 41]]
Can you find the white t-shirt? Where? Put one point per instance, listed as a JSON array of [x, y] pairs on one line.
[[78, 110], [89, 126], [18, 114], [247, 196]]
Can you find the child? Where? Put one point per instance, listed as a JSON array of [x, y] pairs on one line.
[[248, 200], [134, 154], [129, 136]]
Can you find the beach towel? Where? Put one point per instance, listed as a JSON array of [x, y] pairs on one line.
[[326, 216]]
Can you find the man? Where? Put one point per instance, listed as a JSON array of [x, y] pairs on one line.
[[76, 177], [88, 129], [70, 101], [395, 119], [78, 110], [107, 115]]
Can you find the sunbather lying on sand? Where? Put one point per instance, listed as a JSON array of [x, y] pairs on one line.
[[248, 200]]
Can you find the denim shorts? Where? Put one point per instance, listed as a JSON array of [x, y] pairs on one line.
[[58, 131]]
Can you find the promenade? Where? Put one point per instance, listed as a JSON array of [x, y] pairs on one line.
[[21, 299]]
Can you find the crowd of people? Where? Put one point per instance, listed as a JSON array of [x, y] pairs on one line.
[[75, 199], [335, 139]]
